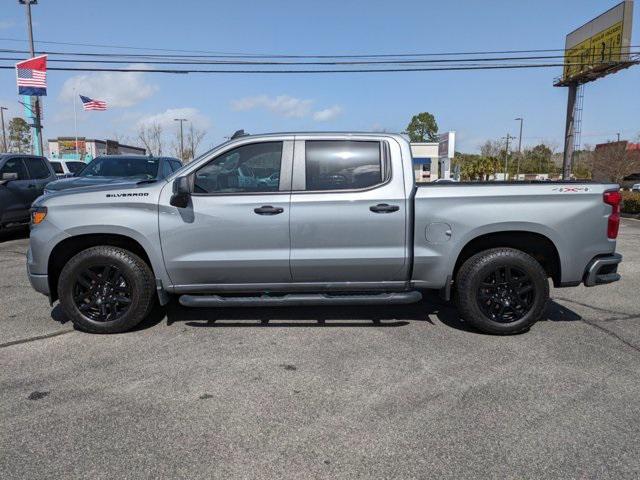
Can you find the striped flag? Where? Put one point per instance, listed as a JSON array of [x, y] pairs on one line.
[[31, 76], [91, 104]]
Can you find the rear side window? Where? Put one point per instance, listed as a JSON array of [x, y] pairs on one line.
[[37, 168], [57, 167], [15, 165], [75, 167], [342, 165], [175, 165]]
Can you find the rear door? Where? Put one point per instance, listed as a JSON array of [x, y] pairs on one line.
[[236, 227], [348, 212], [15, 196]]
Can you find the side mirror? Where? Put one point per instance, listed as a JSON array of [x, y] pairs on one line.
[[7, 177], [182, 189]]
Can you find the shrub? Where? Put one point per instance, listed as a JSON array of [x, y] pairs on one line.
[[631, 202]]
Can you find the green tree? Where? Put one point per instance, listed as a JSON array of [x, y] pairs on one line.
[[19, 136], [423, 128]]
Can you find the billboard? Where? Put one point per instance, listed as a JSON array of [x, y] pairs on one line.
[[599, 47], [69, 146], [447, 145]]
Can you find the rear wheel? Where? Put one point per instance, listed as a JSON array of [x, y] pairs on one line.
[[502, 291], [106, 290]]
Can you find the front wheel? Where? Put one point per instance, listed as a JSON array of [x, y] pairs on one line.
[[106, 289], [502, 291]]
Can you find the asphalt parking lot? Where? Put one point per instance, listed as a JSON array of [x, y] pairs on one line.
[[397, 392]]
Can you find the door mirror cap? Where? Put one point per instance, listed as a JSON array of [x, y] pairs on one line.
[[182, 190], [7, 177]]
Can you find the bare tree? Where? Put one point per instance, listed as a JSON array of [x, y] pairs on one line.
[[613, 162], [192, 139], [492, 148], [151, 137]]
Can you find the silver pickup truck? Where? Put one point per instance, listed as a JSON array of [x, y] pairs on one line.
[[318, 219]]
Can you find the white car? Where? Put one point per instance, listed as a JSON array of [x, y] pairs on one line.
[[635, 187], [66, 168]]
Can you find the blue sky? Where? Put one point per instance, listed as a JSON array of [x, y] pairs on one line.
[[478, 105]]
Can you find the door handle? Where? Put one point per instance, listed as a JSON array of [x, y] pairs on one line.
[[384, 208], [268, 210]]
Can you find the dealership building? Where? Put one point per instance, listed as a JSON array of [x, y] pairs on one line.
[[88, 148]]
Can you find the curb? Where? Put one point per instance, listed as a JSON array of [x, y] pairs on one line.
[[635, 216]]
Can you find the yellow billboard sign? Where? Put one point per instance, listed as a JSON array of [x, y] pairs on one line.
[[600, 44]]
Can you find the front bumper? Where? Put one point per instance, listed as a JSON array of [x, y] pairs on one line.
[[40, 283], [602, 270]]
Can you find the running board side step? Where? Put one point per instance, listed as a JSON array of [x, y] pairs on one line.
[[301, 299]]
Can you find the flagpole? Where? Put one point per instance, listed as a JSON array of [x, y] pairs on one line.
[[75, 121]]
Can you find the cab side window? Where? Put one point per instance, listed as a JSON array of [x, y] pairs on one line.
[[37, 168], [342, 164], [15, 165], [251, 168]]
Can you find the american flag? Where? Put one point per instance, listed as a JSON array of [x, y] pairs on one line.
[[31, 76], [91, 104]]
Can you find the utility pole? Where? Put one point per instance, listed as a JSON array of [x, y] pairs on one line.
[[181, 120], [38, 125], [519, 148], [506, 156], [618, 136], [4, 134]]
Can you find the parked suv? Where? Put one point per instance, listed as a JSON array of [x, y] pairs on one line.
[[22, 180], [67, 168], [112, 169]]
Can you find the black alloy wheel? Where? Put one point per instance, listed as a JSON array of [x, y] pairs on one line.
[[102, 293], [506, 294], [501, 291], [106, 289]]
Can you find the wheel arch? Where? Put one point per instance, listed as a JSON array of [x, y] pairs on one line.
[[538, 245], [70, 246]]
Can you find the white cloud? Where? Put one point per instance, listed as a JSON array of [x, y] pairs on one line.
[[116, 88], [167, 118], [283, 105], [327, 114], [287, 106]]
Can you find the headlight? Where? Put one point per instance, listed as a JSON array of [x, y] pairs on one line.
[[38, 214]]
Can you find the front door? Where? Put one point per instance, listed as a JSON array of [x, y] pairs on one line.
[[348, 213], [236, 227]]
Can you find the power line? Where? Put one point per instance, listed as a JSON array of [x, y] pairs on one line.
[[295, 71], [264, 55]]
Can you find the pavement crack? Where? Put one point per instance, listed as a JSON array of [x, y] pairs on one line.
[[599, 309], [33, 339], [611, 334]]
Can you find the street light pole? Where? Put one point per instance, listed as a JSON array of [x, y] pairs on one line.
[[4, 135], [181, 120], [506, 156], [519, 148], [38, 125]]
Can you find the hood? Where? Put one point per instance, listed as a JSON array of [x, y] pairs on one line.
[[79, 182]]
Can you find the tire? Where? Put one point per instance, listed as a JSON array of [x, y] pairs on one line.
[[502, 291], [106, 289]]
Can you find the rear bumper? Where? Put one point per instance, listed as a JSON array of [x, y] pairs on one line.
[[602, 270]]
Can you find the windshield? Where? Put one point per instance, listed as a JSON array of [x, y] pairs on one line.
[[143, 168]]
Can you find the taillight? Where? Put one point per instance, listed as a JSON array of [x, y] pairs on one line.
[[613, 198]]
